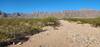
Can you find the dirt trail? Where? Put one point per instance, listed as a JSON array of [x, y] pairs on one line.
[[67, 35]]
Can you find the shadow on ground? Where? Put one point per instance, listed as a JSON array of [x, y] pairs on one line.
[[20, 39]]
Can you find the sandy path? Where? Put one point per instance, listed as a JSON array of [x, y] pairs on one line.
[[67, 35]]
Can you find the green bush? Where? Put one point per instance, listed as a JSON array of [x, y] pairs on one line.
[[15, 27], [93, 21], [50, 21]]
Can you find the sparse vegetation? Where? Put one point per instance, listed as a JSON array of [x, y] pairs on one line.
[[12, 28], [93, 21], [50, 21]]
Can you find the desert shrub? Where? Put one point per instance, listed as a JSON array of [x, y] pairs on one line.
[[50, 21], [93, 21], [12, 28], [96, 22], [4, 36]]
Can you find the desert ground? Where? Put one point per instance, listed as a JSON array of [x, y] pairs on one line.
[[68, 34]]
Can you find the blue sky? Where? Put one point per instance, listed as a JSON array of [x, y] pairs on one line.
[[47, 5]]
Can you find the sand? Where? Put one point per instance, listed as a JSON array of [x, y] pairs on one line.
[[69, 34]]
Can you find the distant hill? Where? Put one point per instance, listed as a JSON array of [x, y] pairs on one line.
[[65, 13], [3, 14], [82, 13]]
